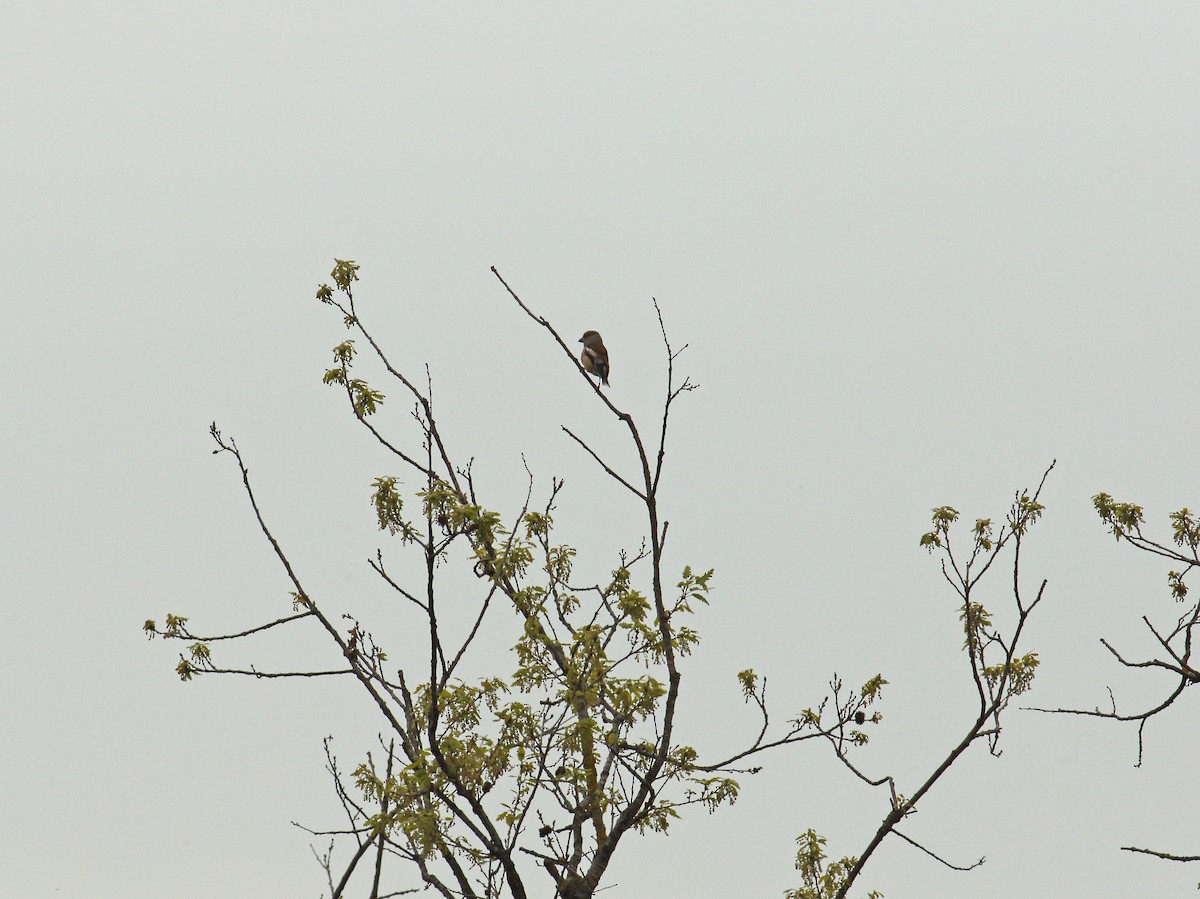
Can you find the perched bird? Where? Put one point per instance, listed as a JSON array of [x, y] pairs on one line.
[[594, 356]]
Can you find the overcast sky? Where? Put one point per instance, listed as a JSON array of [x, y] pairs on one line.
[[917, 251]]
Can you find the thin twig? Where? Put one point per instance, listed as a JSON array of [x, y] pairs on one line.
[[913, 842]]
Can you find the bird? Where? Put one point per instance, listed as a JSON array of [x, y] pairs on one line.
[[594, 357]]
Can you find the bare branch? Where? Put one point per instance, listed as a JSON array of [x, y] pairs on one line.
[[1168, 856], [934, 855], [254, 672], [605, 465], [182, 633]]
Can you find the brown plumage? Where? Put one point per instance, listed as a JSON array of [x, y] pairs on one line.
[[594, 357]]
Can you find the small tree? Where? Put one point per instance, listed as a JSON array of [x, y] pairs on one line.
[[576, 747], [484, 780], [997, 669], [1174, 638]]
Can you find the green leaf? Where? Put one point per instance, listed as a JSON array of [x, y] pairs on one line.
[[344, 272]]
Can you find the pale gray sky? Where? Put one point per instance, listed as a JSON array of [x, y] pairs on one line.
[[917, 250]]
